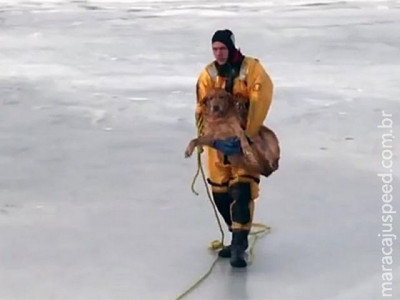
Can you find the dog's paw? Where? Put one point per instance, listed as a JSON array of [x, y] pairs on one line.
[[266, 172], [189, 152]]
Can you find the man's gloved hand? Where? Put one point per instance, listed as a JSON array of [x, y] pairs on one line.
[[229, 146]]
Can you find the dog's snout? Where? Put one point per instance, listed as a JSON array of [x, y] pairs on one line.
[[215, 108]]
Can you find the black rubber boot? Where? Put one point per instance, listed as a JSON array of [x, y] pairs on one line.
[[241, 214], [238, 247], [223, 203], [225, 252], [240, 209]]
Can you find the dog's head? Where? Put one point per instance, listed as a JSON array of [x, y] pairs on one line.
[[218, 103]]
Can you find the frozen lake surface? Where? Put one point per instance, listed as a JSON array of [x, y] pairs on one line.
[[96, 109]]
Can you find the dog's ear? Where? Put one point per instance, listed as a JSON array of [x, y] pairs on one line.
[[241, 98], [231, 99], [204, 102]]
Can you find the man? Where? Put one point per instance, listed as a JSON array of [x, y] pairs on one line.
[[234, 190]]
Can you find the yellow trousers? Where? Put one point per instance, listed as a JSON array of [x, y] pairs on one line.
[[221, 174]]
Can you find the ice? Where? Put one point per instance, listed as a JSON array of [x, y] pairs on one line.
[[96, 109]]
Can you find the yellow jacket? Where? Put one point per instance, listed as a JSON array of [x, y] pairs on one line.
[[253, 83]]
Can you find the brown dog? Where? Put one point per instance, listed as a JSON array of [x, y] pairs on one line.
[[225, 117]]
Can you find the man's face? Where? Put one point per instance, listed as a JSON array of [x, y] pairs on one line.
[[220, 52]]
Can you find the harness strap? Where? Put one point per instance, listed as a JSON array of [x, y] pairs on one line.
[[213, 72], [212, 183]]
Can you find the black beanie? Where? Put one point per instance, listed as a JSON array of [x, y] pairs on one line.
[[227, 38]]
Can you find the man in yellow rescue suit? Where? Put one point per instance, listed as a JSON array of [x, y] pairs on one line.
[[234, 189]]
